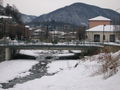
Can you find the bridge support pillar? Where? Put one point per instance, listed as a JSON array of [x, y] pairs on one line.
[[8, 53]]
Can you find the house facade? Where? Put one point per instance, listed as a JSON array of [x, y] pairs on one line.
[[9, 28], [38, 35], [101, 30], [103, 33]]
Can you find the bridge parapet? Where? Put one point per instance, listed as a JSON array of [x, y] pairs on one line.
[[51, 46], [84, 47]]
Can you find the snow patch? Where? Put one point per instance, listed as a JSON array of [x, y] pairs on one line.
[[11, 69]]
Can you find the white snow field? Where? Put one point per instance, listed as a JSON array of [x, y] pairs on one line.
[[42, 52], [15, 68], [68, 77]]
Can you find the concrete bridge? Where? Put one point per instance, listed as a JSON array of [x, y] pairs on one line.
[[11, 48], [51, 46]]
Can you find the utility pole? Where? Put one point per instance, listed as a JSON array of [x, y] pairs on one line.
[[103, 33]]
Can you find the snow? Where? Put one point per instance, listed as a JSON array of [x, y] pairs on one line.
[[1, 16], [38, 30], [27, 26], [57, 66], [37, 53], [14, 68], [67, 77], [23, 74], [72, 79], [100, 18], [116, 54], [57, 32], [112, 43], [76, 51], [106, 28], [29, 52], [67, 54]]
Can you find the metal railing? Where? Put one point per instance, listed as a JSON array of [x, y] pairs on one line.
[[8, 43]]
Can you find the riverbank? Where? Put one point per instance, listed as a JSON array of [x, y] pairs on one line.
[[48, 54], [60, 74]]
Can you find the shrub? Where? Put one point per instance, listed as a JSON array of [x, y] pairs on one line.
[[109, 64]]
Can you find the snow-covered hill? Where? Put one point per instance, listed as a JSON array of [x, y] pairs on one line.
[[76, 14], [27, 18]]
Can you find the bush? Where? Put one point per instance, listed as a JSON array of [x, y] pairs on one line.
[[109, 64], [54, 42]]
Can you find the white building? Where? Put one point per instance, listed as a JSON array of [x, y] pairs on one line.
[[103, 33], [38, 34]]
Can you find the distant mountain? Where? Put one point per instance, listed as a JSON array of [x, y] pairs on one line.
[[27, 18], [76, 14]]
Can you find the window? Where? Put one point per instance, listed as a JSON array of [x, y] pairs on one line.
[[96, 38], [112, 38]]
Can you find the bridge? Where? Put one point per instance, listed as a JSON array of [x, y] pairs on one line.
[[50, 46], [11, 47]]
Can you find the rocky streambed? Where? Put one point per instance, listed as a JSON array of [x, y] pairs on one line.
[[37, 71]]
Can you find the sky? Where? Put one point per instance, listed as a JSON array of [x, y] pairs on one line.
[[39, 7]]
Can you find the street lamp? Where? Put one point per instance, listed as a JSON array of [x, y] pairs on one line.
[[103, 33]]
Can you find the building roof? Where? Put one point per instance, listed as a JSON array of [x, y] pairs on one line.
[[57, 32], [1, 16], [101, 18], [106, 28], [38, 30]]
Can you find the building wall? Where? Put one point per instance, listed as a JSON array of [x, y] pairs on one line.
[[90, 36], [13, 30], [93, 23]]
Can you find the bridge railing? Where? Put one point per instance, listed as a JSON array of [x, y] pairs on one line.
[[12, 43]]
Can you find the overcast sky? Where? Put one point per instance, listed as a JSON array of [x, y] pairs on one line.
[[38, 7]]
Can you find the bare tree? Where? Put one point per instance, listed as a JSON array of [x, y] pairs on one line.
[[1, 2], [81, 33], [14, 12]]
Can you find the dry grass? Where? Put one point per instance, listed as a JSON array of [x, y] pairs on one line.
[[109, 64]]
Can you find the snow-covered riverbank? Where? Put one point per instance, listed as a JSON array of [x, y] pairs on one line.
[[52, 54], [14, 68], [84, 76]]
